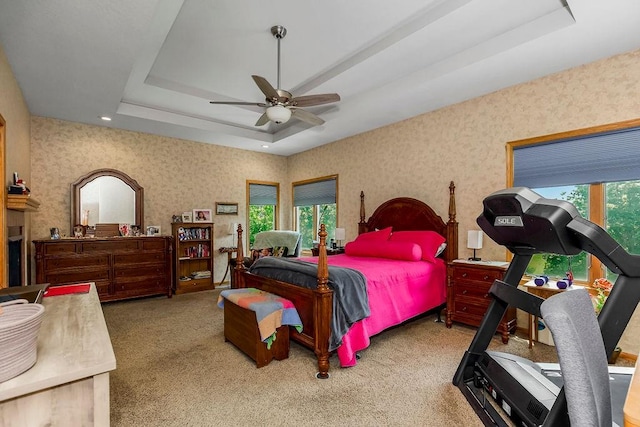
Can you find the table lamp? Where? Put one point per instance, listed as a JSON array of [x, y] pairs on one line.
[[340, 235], [474, 241], [233, 227]]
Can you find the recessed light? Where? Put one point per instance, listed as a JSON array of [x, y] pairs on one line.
[[265, 146], [106, 118]]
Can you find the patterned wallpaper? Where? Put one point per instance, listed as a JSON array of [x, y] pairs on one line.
[[466, 143], [16, 114], [176, 175], [415, 158]]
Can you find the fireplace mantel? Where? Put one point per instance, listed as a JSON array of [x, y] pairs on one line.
[[22, 202]]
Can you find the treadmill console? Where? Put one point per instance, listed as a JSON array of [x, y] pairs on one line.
[[523, 221]]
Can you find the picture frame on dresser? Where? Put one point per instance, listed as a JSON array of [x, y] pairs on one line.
[[153, 230]]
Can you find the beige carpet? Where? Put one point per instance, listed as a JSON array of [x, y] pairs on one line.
[[174, 369]]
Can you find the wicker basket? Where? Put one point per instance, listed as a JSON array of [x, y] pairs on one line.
[[19, 326]]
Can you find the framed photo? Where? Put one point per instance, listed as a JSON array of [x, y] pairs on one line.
[[153, 230], [202, 215], [187, 216], [226, 208]]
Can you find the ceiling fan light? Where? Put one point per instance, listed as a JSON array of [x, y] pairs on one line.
[[278, 114]]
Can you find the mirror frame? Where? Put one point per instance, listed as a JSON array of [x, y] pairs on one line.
[[83, 180]]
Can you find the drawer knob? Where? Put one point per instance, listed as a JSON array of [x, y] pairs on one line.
[[464, 274], [486, 295], [486, 277], [464, 308], [464, 292]]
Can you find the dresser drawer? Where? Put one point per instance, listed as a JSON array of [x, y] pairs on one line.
[[466, 289], [129, 274], [153, 244], [470, 307], [83, 262], [76, 276], [138, 258], [59, 248], [476, 275], [110, 246], [142, 285]]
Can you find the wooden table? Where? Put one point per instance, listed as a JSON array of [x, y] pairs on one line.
[[69, 384], [632, 403], [229, 251], [544, 292]]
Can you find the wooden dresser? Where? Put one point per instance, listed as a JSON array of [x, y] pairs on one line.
[[468, 296], [121, 267]]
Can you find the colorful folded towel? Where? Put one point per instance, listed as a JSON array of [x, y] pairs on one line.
[[272, 311]]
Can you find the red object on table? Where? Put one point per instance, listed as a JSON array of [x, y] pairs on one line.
[[81, 288]]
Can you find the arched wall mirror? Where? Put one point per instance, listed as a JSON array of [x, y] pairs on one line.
[[107, 196]]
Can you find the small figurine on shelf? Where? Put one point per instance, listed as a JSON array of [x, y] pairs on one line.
[[78, 231], [18, 186]]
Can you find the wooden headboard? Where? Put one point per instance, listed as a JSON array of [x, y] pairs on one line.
[[405, 213]]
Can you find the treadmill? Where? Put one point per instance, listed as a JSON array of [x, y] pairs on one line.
[[532, 394]]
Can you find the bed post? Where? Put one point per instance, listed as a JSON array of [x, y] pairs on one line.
[[323, 302], [362, 225], [238, 277], [452, 226]]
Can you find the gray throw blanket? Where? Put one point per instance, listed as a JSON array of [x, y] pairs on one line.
[[350, 300]]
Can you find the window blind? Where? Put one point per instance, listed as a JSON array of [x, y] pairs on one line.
[[261, 194], [604, 157], [315, 193]]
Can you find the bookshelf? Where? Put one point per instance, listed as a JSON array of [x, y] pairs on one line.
[[193, 256]]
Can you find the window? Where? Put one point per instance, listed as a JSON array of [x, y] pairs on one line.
[[262, 214], [596, 170], [315, 203]]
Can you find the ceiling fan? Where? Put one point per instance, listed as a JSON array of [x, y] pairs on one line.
[[280, 104]]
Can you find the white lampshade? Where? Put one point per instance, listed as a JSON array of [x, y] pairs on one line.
[[340, 234], [278, 114], [474, 239]]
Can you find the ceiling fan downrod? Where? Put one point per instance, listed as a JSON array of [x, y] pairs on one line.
[[278, 32]]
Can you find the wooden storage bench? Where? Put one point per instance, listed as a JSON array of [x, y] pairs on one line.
[[241, 329]]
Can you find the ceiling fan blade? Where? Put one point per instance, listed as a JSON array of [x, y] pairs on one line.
[[306, 117], [266, 87], [263, 120], [259, 104], [311, 100]]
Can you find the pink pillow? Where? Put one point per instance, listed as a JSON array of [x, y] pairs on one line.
[[429, 241], [405, 251], [378, 235]]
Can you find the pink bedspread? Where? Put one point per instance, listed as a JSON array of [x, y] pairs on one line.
[[397, 290]]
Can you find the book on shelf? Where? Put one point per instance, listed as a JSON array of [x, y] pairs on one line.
[[198, 251], [204, 274], [195, 233]]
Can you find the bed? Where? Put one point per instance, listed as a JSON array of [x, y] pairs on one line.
[[315, 305]]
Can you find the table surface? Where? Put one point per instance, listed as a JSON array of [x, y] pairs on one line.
[[632, 404], [73, 343]]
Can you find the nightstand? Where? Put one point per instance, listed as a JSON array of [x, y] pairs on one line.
[[468, 298], [337, 251]]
